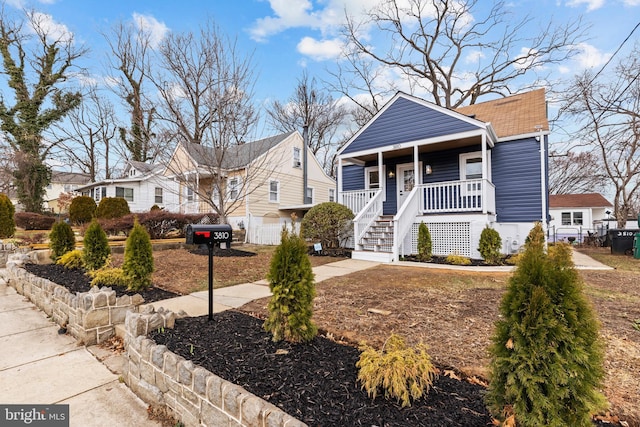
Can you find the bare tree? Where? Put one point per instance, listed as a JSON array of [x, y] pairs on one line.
[[433, 45], [316, 109], [610, 117], [576, 173], [130, 63], [206, 88], [38, 104], [87, 137]]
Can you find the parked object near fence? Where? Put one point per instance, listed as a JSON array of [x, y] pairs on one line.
[[622, 241]]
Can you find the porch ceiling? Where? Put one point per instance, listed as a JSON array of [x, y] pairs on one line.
[[390, 153]]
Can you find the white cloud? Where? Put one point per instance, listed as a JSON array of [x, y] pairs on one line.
[[528, 58], [474, 57], [591, 4], [590, 56], [44, 23], [150, 25], [320, 50], [631, 2]]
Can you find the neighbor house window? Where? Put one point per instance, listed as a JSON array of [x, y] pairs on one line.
[[189, 192], [274, 191], [577, 218], [572, 218], [309, 195], [296, 157], [125, 193], [566, 218], [332, 194], [158, 195], [234, 188], [99, 193]]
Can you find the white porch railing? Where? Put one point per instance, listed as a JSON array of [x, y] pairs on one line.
[[458, 196], [358, 199], [404, 219], [366, 216]]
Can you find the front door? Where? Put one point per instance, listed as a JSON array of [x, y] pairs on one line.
[[405, 181]]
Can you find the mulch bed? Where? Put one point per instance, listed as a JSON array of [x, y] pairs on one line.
[[314, 382], [217, 252], [77, 281]]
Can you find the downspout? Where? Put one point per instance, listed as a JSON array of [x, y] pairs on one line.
[[543, 181], [305, 138]]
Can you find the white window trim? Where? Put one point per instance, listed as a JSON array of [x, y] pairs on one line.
[[473, 155], [124, 193], [330, 192], [297, 163], [238, 188], [277, 191], [313, 194], [367, 170], [155, 195]]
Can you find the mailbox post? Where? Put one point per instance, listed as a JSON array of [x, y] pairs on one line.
[[211, 235]]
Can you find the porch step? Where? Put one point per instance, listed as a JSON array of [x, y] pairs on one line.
[[379, 236]]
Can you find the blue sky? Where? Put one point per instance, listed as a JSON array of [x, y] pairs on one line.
[[288, 36]]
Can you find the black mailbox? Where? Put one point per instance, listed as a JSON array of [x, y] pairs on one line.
[[210, 235]]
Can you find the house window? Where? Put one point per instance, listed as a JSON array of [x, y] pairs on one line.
[[566, 218], [98, 193], [158, 195], [309, 194], [234, 188], [189, 194], [274, 191], [332, 194], [372, 178], [471, 165], [296, 157], [577, 218], [125, 193]]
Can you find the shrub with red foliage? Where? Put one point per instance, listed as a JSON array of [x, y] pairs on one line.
[[159, 224], [34, 221]]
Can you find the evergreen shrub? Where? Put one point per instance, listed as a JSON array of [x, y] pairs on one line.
[[546, 355], [490, 246], [110, 277], [112, 207], [457, 259], [61, 240], [402, 372], [291, 282], [424, 243], [96, 246], [138, 258], [7, 220], [82, 209], [329, 223]]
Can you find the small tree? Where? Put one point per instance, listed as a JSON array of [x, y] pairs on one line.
[[112, 207], [328, 222], [61, 240], [547, 358], [424, 243], [82, 209], [96, 246], [138, 258], [490, 245], [7, 222], [292, 284]]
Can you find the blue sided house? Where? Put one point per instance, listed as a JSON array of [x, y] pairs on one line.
[[457, 171]]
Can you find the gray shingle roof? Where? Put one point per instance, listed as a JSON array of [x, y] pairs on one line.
[[235, 156]]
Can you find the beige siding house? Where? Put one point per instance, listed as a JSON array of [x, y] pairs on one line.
[[254, 186]]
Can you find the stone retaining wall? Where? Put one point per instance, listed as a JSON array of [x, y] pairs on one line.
[[194, 395], [90, 316]]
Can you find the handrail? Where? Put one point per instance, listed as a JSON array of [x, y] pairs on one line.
[[457, 196], [367, 216], [356, 200], [404, 219]]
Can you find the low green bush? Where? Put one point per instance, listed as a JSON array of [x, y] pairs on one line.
[[329, 223], [490, 246], [457, 259], [112, 207], [72, 259], [61, 239], [7, 220], [138, 258], [110, 277], [96, 246], [82, 209]]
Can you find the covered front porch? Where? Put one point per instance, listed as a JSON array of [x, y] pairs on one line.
[[445, 182]]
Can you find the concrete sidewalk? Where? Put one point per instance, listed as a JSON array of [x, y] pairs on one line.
[[40, 366]]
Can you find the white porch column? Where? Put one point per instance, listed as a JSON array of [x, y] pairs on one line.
[[417, 173], [340, 198], [485, 173], [382, 180]]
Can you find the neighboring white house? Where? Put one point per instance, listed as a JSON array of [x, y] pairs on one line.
[[142, 185], [62, 182], [262, 186], [578, 215]]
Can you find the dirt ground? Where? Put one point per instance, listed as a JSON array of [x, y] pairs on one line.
[[452, 312]]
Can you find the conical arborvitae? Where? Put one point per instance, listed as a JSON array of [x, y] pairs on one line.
[[292, 283], [96, 248], [547, 358], [138, 258]]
